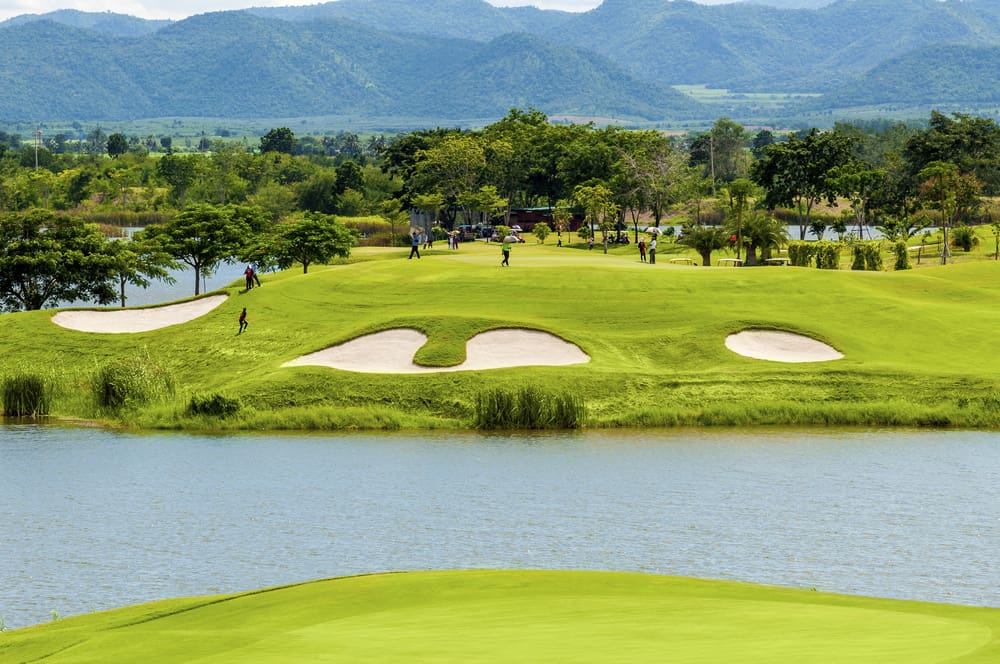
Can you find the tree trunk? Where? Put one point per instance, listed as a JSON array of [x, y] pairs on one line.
[[706, 258]]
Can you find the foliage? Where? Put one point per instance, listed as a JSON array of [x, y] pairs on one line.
[[130, 381], [202, 235], [867, 256], [964, 237], [213, 405], [797, 172], [309, 238], [541, 231], [25, 395], [704, 240], [47, 258], [828, 255], [280, 139], [528, 407], [902, 256]]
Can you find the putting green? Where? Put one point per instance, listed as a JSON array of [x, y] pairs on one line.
[[507, 616]]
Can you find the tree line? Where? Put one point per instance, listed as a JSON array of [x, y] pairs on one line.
[[278, 203]]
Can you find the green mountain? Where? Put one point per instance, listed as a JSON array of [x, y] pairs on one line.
[[109, 23], [451, 60], [238, 65], [930, 76]]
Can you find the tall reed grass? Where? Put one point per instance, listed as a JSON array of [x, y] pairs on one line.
[[25, 395], [130, 381], [528, 407]]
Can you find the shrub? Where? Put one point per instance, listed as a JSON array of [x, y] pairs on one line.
[[214, 405], [964, 238], [828, 255], [24, 395], [801, 253], [528, 408], [858, 257], [902, 256], [129, 382]]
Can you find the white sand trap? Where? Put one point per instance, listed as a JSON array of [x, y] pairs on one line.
[[392, 351], [780, 346], [121, 321]]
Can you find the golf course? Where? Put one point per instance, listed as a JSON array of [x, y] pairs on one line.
[[650, 345], [379, 342], [505, 616]]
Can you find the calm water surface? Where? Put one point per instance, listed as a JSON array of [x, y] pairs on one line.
[[92, 520]]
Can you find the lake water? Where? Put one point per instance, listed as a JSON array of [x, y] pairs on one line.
[[93, 519]]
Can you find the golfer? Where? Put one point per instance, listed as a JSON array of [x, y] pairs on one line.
[[505, 248], [243, 320]]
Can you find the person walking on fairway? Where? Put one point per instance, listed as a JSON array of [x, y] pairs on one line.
[[243, 320], [652, 250], [414, 245], [505, 248]]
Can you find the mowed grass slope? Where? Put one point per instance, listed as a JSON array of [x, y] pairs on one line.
[[518, 616], [918, 345]]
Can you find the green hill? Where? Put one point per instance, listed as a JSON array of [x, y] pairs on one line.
[[513, 616], [655, 336], [235, 64], [929, 76]]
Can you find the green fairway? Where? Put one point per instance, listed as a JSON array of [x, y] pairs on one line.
[[507, 616], [918, 345]]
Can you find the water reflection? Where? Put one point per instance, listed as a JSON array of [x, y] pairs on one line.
[[94, 519]]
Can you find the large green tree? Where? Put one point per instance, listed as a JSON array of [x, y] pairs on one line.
[[202, 236], [310, 238], [46, 259], [278, 140], [795, 173], [952, 193]]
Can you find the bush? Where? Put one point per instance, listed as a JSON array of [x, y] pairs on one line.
[[964, 238], [24, 395], [528, 408], [213, 405], [858, 257], [828, 255], [902, 256], [130, 382], [867, 256]]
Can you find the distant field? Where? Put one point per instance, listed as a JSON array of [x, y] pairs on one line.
[[519, 616], [776, 100]]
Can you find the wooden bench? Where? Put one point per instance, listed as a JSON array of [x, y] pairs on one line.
[[735, 262], [686, 261], [777, 261]]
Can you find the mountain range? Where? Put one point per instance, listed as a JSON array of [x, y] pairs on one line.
[[451, 60]]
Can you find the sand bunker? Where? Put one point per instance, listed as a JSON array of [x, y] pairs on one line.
[[121, 321], [392, 351], [780, 346]]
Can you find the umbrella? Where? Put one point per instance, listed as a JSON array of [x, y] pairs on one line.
[[654, 230], [510, 238]]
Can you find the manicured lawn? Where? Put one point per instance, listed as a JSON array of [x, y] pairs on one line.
[[918, 345], [518, 616]]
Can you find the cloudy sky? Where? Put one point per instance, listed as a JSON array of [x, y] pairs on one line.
[[177, 9]]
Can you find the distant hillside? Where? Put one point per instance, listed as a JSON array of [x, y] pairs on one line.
[[203, 67], [462, 59], [460, 19], [928, 76], [105, 22]]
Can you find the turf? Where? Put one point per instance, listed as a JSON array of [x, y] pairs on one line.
[[529, 616], [918, 345]]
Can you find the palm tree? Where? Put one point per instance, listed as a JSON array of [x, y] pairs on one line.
[[704, 240], [764, 232]]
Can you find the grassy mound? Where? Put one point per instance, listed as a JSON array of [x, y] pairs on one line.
[[917, 344], [514, 616]]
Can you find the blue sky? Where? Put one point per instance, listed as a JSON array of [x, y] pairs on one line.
[[177, 9]]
